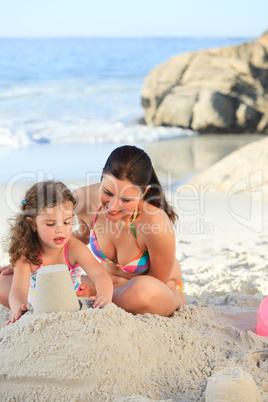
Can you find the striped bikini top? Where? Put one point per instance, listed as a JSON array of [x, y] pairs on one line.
[[74, 270], [138, 265]]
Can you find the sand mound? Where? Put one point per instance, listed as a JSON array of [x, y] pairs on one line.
[[109, 354]]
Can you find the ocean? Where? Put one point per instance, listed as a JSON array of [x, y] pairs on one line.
[[66, 103]]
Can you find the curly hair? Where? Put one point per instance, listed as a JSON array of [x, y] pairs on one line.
[[22, 239]]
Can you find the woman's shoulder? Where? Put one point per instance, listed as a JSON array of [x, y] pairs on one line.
[[155, 218], [87, 199], [151, 214]]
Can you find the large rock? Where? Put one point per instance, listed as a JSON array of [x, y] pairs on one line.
[[216, 90], [244, 170], [181, 158]]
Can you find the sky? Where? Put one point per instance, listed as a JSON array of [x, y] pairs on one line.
[[133, 18]]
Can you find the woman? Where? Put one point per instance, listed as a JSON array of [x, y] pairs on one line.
[[128, 223]]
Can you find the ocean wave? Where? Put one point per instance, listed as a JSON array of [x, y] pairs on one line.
[[85, 132], [18, 92], [14, 140], [66, 88]]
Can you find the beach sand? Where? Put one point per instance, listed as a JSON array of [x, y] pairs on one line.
[[111, 355]]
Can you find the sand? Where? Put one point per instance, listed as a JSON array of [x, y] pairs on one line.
[[232, 384], [111, 355]]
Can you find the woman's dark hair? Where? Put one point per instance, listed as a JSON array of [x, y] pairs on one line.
[[132, 163], [22, 238]]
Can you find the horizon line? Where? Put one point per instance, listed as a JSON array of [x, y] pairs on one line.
[[131, 37]]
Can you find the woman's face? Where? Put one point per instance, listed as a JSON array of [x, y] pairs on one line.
[[118, 197]]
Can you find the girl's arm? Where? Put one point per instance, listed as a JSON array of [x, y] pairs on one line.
[[104, 286], [19, 289]]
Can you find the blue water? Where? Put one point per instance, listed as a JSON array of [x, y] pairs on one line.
[[78, 91]]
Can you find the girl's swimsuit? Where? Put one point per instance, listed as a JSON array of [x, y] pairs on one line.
[[75, 273], [139, 265]]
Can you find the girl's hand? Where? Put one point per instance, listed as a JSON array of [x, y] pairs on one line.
[[7, 270], [83, 291], [17, 313], [100, 301]]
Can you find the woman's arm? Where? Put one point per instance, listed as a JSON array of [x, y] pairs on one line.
[[161, 246], [7, 270], [19, 289], [94, 270], [87, 199], [83, 231]]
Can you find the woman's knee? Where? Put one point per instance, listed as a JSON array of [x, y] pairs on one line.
[[147, 295], [153, 296], [148, 292], [143, 291]]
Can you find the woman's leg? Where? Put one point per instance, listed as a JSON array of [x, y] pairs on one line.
[[5, 286], [146, 294]]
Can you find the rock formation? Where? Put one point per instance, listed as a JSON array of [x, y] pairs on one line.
[[218, 90], [244, 170]]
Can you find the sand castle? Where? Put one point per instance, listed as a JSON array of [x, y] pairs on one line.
[[232, 384], [54, 290]]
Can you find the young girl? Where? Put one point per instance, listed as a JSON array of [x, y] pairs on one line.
[[40, 236]]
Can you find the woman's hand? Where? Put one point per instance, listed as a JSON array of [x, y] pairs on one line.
[[100, 301], [17, 313], [7, 270], [83, 291]]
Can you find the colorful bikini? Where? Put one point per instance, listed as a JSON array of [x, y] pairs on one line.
[[140, 263], [75, 273]]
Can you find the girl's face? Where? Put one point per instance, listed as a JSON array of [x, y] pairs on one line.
[[118, 197], [54, 225]]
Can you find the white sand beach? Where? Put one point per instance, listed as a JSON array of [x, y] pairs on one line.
[[111, 355]]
